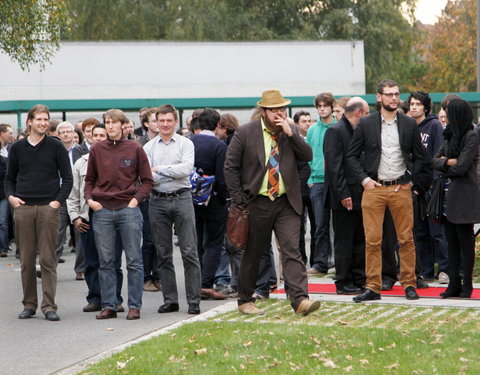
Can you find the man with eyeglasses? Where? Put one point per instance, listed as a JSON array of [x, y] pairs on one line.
[[343, 197], [324, 103], [394, 158], [261, 174]]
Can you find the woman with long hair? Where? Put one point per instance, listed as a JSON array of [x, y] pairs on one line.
[[457, 161]]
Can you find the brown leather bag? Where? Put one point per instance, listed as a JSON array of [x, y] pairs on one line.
[[237, 227]]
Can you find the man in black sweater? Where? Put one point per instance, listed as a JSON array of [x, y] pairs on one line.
[[38, 181]]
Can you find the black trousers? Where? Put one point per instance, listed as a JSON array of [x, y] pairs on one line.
[[307, 210], [461, 250], [349, 247], [211, 223], [279, 216]]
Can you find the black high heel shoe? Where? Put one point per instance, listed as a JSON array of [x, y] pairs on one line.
[[467, 289], [453, 290]]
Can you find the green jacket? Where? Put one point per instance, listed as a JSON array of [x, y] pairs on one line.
[[315, 136]]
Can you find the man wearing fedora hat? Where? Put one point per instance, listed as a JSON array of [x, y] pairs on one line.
[[261, 174]]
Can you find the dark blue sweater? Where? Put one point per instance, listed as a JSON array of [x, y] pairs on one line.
[[210, 157]]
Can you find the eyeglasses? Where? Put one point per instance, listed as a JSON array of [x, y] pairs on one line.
[[278, 110], [391, 94], [65, 132]]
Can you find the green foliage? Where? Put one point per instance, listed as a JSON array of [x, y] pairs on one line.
[[451, 49], [30, 30]]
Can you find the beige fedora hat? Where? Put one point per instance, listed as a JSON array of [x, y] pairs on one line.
[[273, 99]]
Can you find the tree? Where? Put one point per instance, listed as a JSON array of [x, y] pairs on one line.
[[451, 53], [30, 30]]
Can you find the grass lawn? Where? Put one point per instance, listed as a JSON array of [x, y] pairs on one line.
[[339, 338]]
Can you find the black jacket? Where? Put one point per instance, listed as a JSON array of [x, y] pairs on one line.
[[367, 138], [339, 178], [463, 199]]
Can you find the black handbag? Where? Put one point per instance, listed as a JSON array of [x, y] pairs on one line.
[[435, 204]]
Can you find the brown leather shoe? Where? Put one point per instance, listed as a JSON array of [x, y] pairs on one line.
[[307, 306], [250, 309], [107, 314], [133, 314], [212, 293]]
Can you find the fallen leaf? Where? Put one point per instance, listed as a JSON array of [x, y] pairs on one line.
[[461, 350], [342, 323], [364, 361], [330, 363], [463, 359], [314, 355], [349, 357], [10, 265], [110, 329], [248, 343], [226, 354], [391, 346], [201, 351], [242, 366], [393, 366], [173, 335], [315, 340], [348, 369], [192, 339]]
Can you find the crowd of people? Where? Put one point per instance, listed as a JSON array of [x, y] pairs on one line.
[[362, 180]]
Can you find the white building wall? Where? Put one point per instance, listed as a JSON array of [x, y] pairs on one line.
[[128, 70]]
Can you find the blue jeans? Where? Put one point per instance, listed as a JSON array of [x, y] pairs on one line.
[[4, 213], [92, 263], [222, 275], [322, 228], [129, 222], [164, 212]]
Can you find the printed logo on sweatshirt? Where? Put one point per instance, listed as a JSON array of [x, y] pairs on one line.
[[425, 139], [126, 163]]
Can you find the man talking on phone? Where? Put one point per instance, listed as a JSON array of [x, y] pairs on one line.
[[261, 174]]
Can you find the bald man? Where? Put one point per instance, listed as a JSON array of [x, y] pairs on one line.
[[344, 197]]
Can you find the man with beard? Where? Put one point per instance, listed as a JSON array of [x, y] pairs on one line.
[[261, 174], [393, 157]]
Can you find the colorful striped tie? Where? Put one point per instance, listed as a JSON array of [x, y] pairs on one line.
[[273, 184]]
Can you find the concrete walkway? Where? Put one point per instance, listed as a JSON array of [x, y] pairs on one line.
[[37, 346]]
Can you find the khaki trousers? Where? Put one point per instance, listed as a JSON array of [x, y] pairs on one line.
[[400, 205], [36, 230]]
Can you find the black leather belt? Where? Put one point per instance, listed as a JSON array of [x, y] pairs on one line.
[[388, 182], [172, 194]]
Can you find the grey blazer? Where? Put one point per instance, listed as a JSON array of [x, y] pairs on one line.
[[245, 164]]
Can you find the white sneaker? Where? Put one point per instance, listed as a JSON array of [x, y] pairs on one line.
[[443, 278]]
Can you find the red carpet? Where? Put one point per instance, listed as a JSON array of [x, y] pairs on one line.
[[397, 291]]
